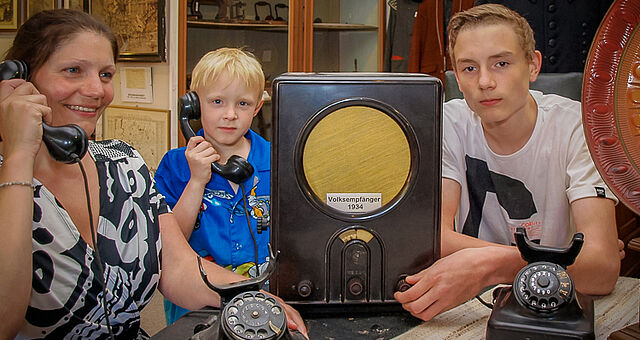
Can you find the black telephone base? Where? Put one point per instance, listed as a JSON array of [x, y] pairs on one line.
[[510, 320]]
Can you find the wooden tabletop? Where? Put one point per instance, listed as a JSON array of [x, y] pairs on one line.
[[469, 321]]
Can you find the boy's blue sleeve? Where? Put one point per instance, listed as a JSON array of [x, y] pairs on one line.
[[163, 178]]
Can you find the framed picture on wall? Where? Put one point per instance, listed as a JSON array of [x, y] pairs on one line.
[[81, 5], [138, 25], [35, 6], [146, 129], [9, 15]]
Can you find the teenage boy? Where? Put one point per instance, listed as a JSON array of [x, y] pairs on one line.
[[210, 209], [512, 158]]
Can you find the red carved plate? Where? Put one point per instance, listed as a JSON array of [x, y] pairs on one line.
[[611, 101]]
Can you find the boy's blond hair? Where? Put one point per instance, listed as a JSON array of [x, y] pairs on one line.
[[491, 14], [235, 62]]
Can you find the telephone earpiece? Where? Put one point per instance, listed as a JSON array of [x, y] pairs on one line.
[[189, 107], [237, 169], [67, 143]]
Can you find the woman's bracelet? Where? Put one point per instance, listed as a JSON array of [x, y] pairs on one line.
[[6, 184]]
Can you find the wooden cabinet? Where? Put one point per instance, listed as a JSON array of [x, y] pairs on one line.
[[337, 35], [347, 35], [319, 36]]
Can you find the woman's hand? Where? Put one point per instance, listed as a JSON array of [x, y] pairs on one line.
[[294, 320], [22, 110]]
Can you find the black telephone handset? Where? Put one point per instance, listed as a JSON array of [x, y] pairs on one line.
[[542, 303], [66, 143], [245, 311], [237, 169]]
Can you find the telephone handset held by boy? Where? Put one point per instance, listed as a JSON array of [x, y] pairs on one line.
[[237, 169], [67, 143]]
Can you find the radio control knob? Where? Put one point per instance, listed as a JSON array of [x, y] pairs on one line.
[[402, 284], [355, 286], [305, 287]]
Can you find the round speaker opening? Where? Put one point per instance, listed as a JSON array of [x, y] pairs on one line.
[[355, 158]]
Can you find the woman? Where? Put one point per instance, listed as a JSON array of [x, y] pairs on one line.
[[52, 279]]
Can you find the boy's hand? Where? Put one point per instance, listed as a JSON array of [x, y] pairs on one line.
[[200, 154], [438, 288], [621, 252]]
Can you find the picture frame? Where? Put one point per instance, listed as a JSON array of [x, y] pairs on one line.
[[34, 6], [81, 5], [146, 129], [139, 27], [10, 15], [136, 84]]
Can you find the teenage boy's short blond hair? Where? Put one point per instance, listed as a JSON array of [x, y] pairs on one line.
[[490, 14], [235, 62]]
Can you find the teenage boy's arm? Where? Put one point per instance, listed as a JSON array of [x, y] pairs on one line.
[[597, 266], [480, 263], [466, 266], [200, 154]]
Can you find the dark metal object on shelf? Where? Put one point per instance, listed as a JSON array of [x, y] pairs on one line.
[[263, 4], [194, 8], [237, 10], [223, 10], [280, 5]]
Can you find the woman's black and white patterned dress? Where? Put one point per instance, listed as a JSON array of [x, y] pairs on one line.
[[66, 299]]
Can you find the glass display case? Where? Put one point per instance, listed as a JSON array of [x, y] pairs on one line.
[[285, 35]]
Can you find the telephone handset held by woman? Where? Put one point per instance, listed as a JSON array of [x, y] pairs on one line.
[[237, 169], [67, 143]]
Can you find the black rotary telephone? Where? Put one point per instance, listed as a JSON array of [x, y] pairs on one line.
[[245, 311], [542, 303], [66, 143], [237, 169]]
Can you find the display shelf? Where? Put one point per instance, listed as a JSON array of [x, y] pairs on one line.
[[248, 25], [277, 25], [343, 27]]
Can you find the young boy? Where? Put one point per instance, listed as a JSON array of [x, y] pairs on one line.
[[511, 158], [210, 209]]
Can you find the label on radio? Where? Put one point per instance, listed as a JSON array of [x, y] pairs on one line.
[[354, 202]]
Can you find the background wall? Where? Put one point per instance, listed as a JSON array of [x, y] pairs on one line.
[[164, 75]]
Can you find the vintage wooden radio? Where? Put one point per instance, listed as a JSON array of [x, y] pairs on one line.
[[355, 187]]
